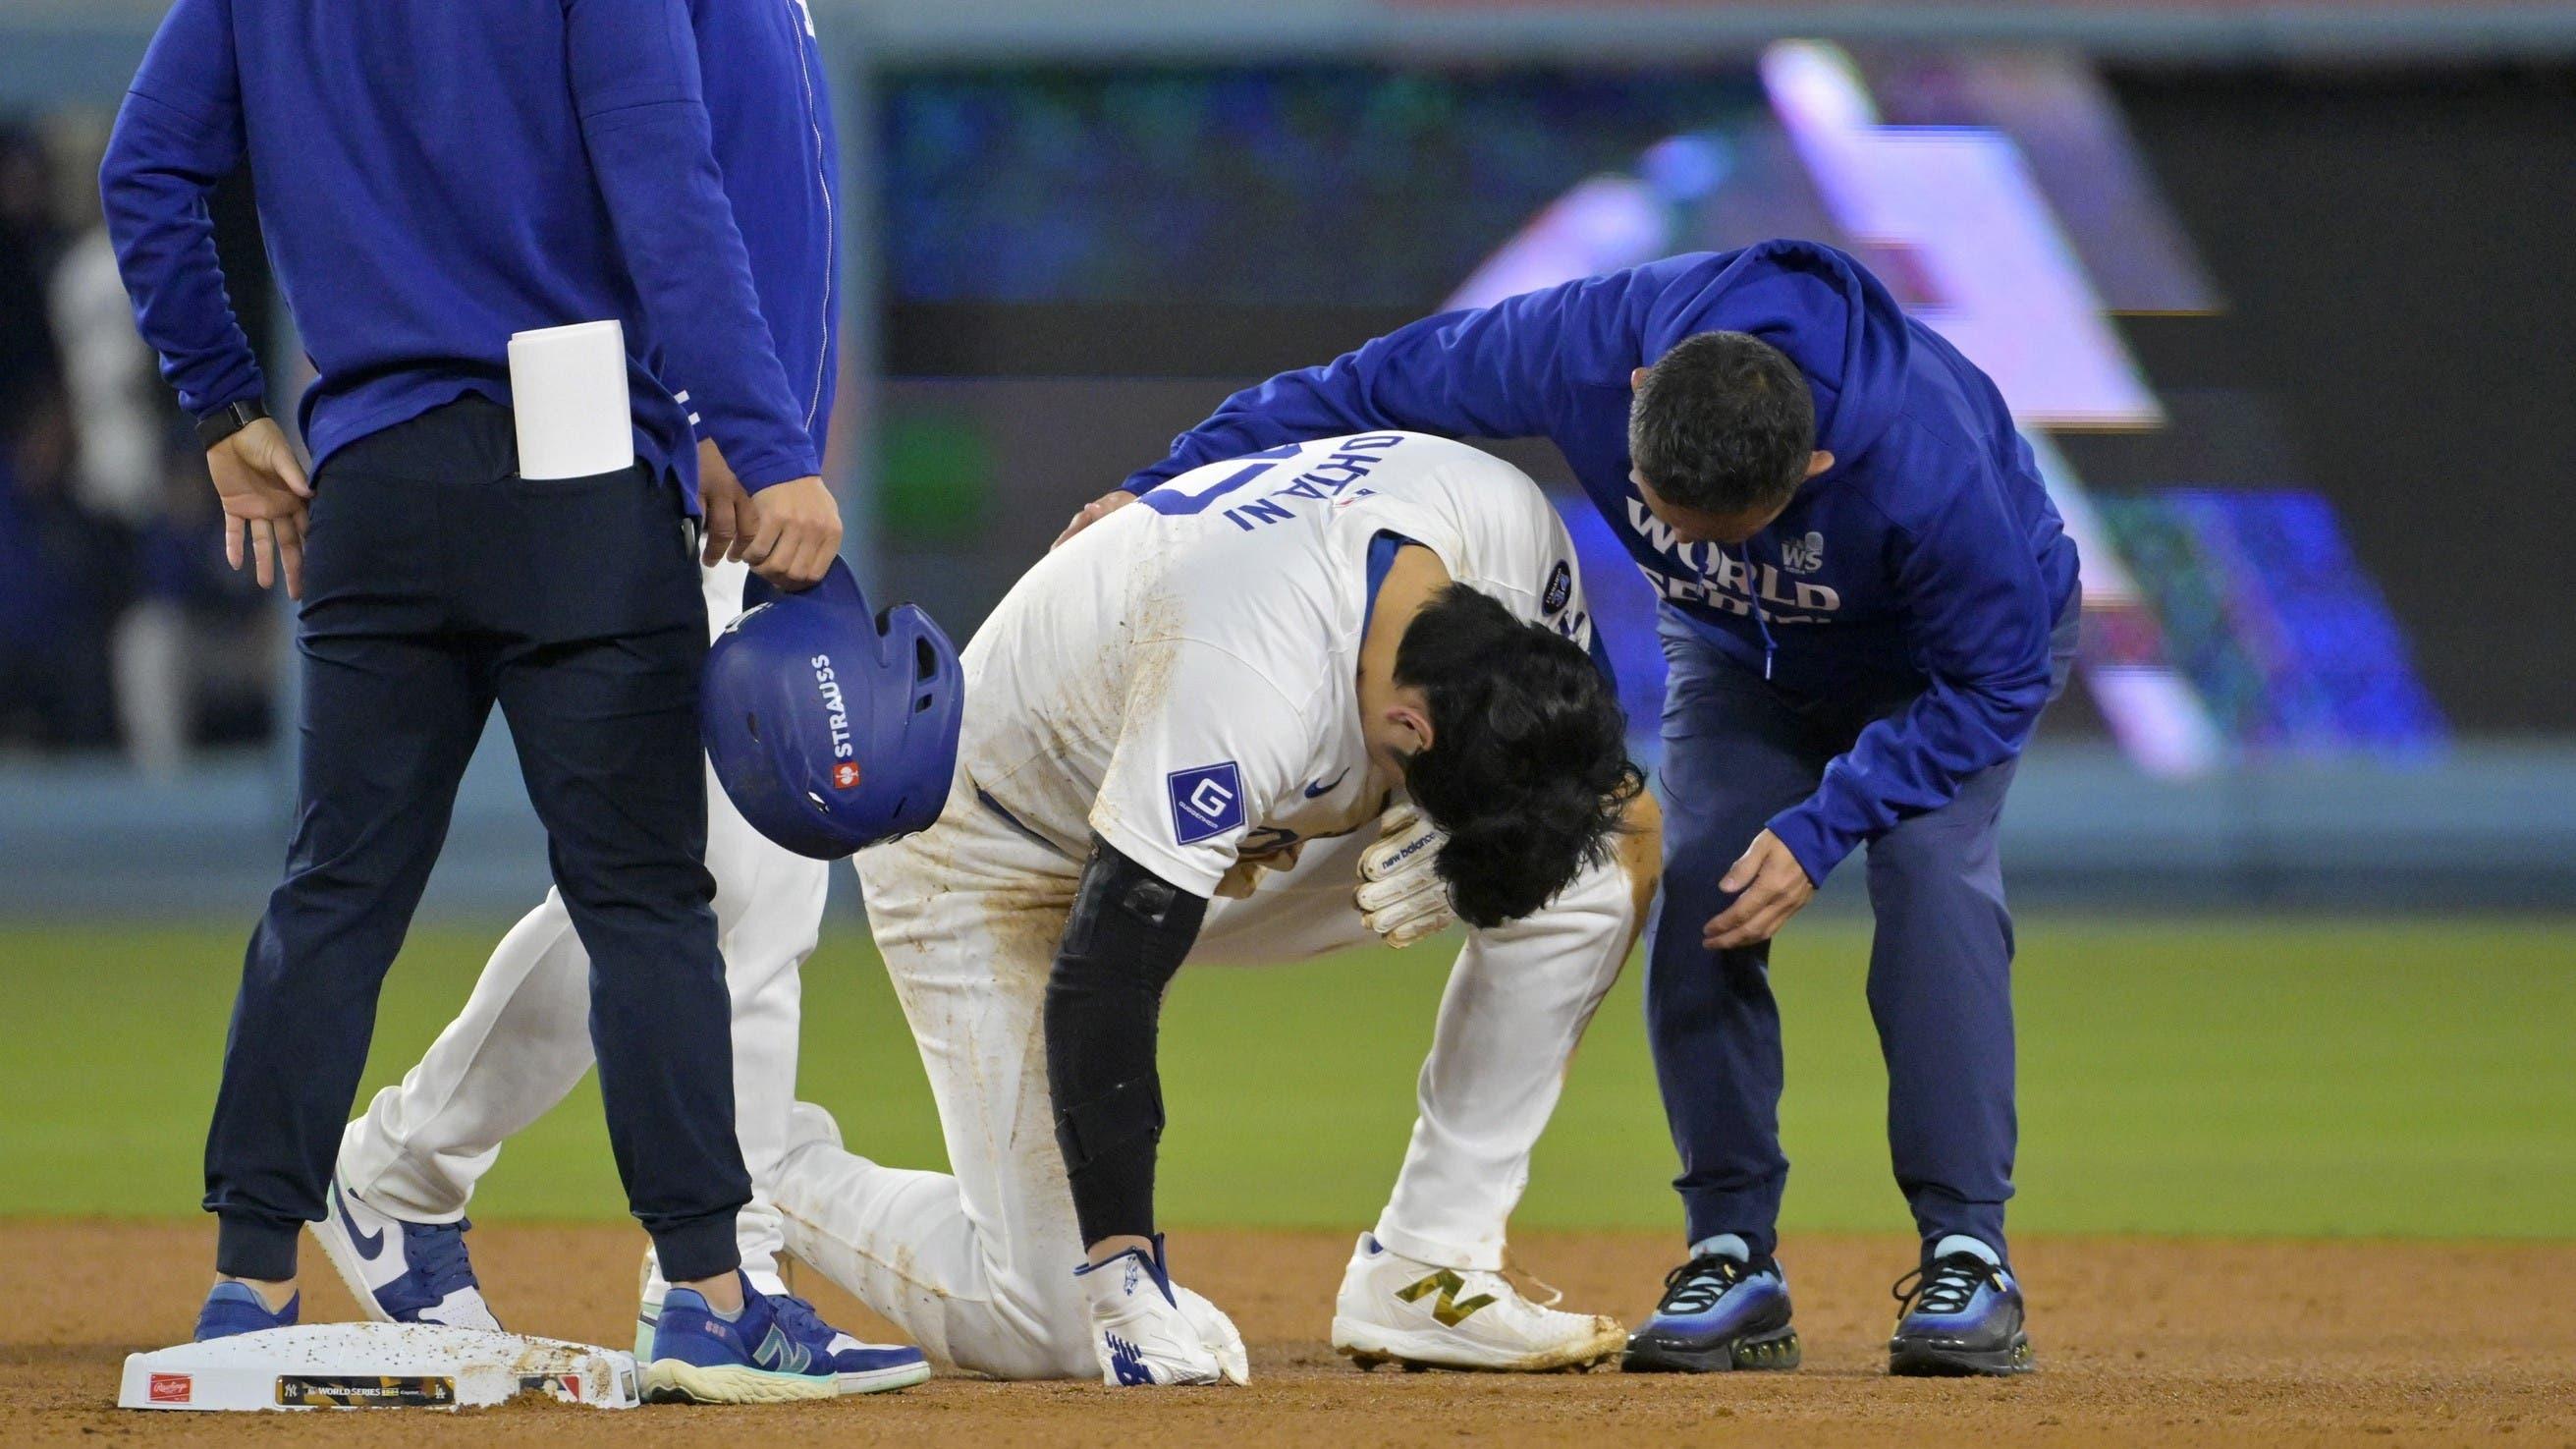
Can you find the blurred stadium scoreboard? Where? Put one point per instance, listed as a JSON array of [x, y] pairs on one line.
[[1219, 222]]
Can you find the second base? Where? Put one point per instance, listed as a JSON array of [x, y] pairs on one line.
[[374, 1365]]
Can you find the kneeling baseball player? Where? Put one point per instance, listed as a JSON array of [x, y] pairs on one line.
[[1190, 733]]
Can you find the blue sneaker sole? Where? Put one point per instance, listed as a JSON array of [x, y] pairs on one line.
[[1775, 1351], [885, 1380], [672, 1381], [1919, 1359]]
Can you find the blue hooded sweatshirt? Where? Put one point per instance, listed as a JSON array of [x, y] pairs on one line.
[[771, 111], [1928, 563], [434, 175]]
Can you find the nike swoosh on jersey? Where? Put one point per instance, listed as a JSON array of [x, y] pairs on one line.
[[1317, 791]]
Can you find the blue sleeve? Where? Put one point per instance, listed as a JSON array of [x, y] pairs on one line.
[[1511, 370], [636, 82], [1980, 617], [178, 133]]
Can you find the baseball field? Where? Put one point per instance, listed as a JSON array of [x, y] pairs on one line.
[[2282, 1181]]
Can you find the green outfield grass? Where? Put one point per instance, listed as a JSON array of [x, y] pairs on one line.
[[2230, 1076]]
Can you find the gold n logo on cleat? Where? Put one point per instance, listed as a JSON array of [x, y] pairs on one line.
[[1449, 1310]]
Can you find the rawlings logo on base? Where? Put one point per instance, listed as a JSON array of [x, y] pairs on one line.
[[371, 1366]]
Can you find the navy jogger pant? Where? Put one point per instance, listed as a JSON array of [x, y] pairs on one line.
[[439, 583], [1736, 753]]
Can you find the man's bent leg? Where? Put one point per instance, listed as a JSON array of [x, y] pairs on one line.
[[1940, 989], [769, 906], [522, 1042], [977, 1267], [1734, 756], [1424, 1288], [519, 1046], [1517, 1004], [388, 726], [607, 734]]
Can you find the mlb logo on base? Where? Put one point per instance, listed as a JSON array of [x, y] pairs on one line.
[[1207, 801]]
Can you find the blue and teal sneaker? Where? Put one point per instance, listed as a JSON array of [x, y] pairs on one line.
[[776, 1350], [1719, 1313], [235, 1308], [863, 1368], [1957, 1315]]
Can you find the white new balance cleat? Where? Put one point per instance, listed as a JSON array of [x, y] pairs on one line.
[[1151, 1333], [401, 1272], [1399, 1310]]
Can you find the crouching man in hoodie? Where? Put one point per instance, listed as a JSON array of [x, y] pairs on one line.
[[1867, 600]]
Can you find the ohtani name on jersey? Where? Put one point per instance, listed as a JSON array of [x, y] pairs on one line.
[[1338, 474], [1709, 575]]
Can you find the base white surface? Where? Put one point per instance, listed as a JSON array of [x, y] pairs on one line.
[[375, 1365]]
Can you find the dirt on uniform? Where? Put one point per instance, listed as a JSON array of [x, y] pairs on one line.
[[2140, 1341]]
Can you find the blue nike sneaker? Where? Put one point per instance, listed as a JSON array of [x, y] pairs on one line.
[[1719, 1313], [234, 1308], [1958, 1315], [776, 1350], [399, 1271]]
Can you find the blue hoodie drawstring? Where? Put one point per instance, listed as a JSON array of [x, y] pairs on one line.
[[1753, 591]]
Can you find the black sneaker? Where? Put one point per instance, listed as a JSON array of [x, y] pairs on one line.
[[1718, 1313], [1958, 1315]]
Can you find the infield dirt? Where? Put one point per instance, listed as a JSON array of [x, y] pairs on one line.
[[2140, 1342]]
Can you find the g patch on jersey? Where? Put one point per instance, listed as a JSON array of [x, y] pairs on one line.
[[1206, 802]]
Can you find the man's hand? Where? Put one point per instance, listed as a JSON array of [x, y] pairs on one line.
[[1147, 1337], [1401, 895], [1773, 886], [797, 536], [264, 495], [1094, 511], [732, 518]]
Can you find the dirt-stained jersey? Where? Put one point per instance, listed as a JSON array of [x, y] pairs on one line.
[[1181, 677]]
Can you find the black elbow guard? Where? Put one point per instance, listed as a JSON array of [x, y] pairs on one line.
[[1128, 934]]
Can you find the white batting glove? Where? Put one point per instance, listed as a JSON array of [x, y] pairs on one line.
[[1400, 896], [1149, 1332], [1223, 1341]]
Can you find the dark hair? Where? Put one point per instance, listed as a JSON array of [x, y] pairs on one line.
[[1723, 423], [1528, 768]]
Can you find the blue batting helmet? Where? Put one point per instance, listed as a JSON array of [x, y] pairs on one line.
[[832, 728]]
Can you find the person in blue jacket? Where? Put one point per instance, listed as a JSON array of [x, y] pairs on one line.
[[433, 177], [410, 1164], [1867, 599]]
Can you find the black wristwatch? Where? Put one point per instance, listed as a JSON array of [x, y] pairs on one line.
[[223, 422]]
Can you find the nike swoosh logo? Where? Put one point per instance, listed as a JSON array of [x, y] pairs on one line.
[[368, 1245], [1327, 787]]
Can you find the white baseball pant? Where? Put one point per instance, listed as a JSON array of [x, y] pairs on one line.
[[522, 1042], [977, 1267]]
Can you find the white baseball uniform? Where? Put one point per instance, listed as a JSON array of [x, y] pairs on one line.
[[522, 1042], [1180, 679]]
